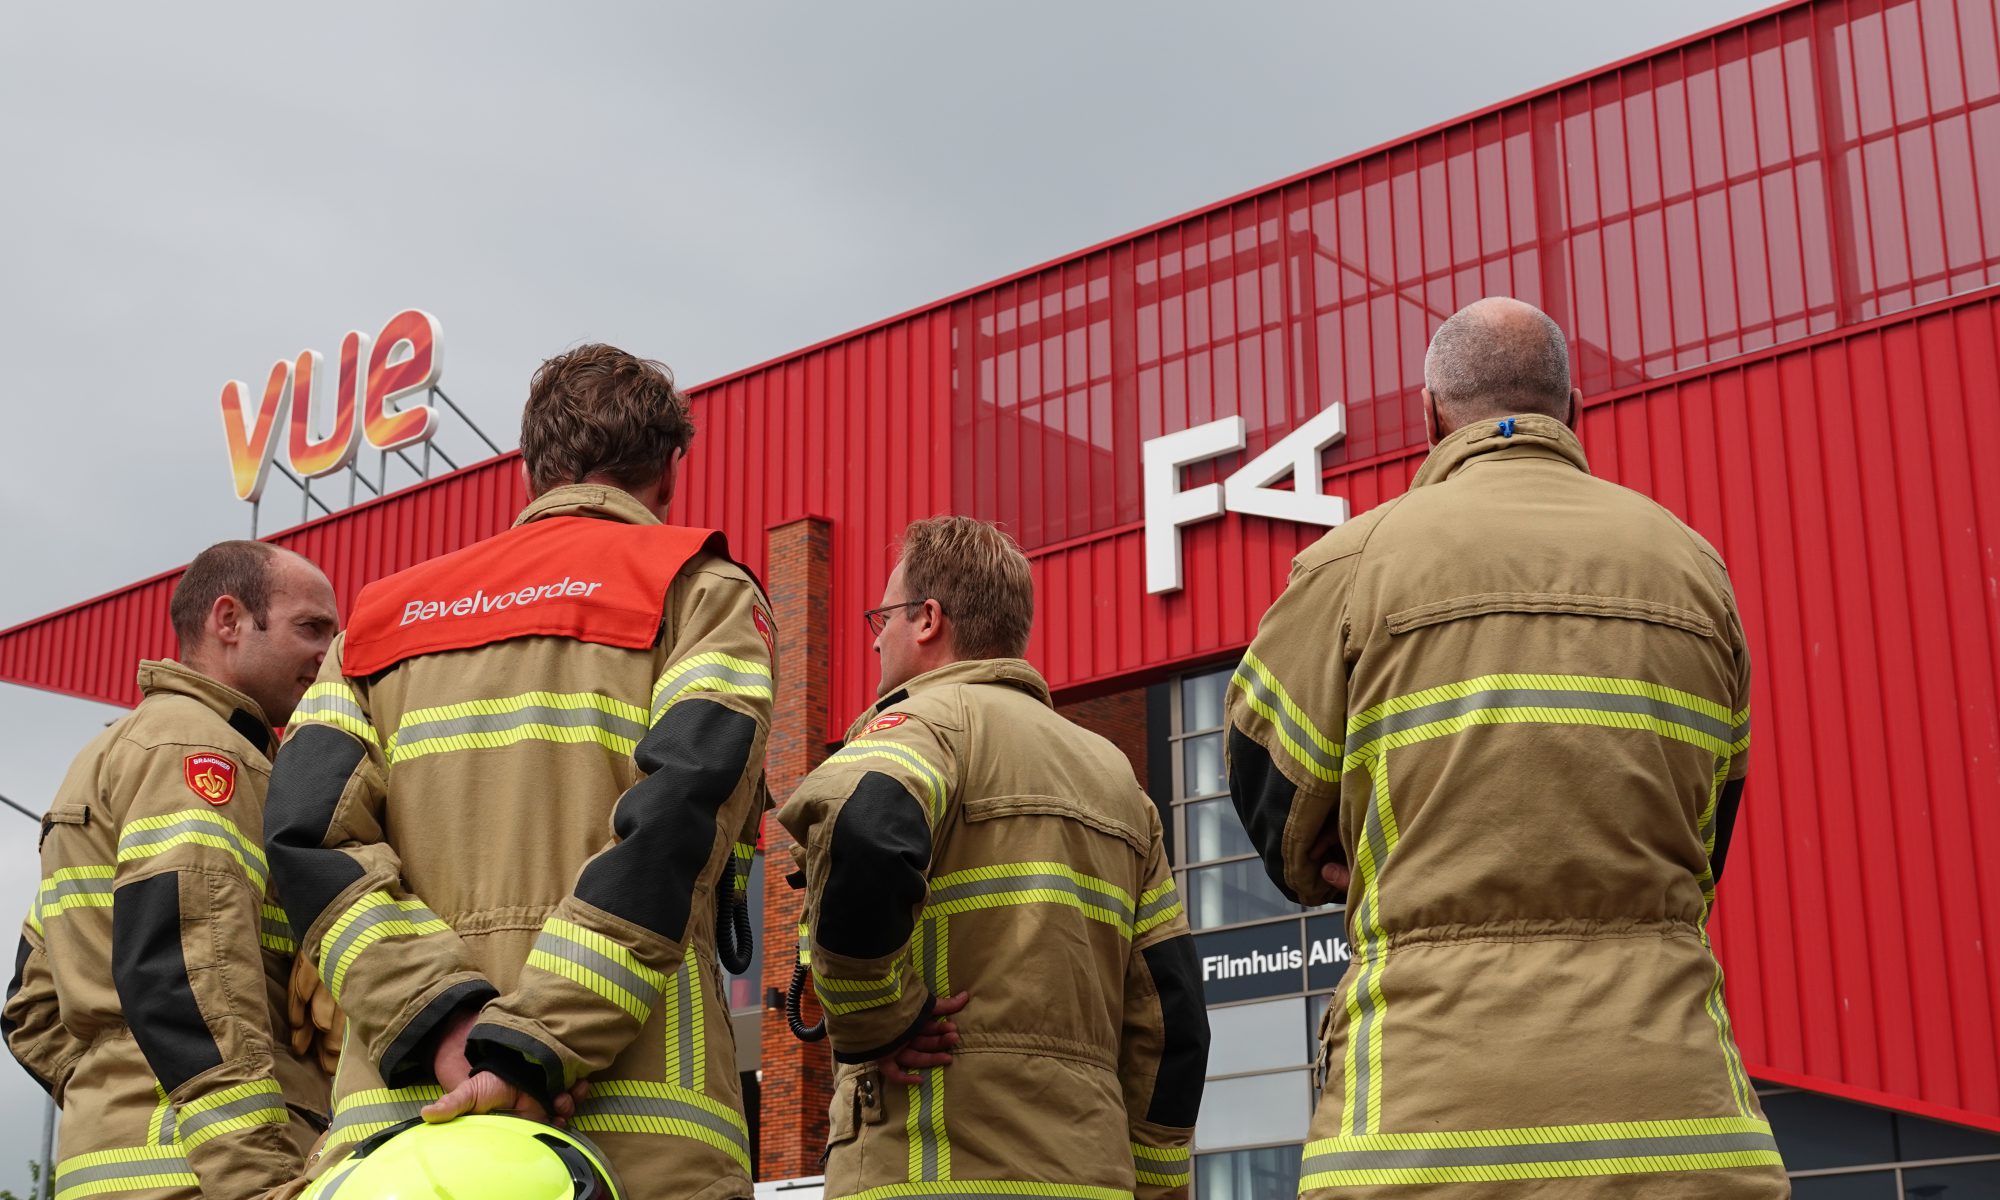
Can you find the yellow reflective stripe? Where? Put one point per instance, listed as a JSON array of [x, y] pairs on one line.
[[1570, 683], [1003, 884], [1569, 1169], [1536, 1135], [149, 836], [805, 945], [71, 887], [743, 853], [376, 915], [360, 1115], [245, 1106], [957, 1189], [1319, 754], [565, 717], [896, 752], [335, 704], [592, 960], [857, 995], [136, 1169], [275, 929], [1161, 1166], [635, 1106], [713, 671], [1157, 906], [1366, 1004], [1740, 1088], [1505, 699]]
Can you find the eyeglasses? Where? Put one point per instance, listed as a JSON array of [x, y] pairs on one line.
[[878, 618]]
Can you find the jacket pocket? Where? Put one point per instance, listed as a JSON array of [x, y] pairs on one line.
[[857, 1101], [987, 808], [63, 814], [1572, 604]]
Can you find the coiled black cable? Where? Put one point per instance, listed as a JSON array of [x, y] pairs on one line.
[[734, 942], [794, 1008]]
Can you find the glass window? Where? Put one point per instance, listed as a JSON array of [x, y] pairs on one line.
[[1817, 1131], [1213, 831], [743, 988], [1255, 1037], [1871, 1185], [1248, 1174], [1961, 1181], [1921, 1140], [1201, 766], [1315, 1010], [1233, 892], [1254, 1109], [1201, 700]]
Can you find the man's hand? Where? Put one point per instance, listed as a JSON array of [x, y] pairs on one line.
[[485, 1092], [1326, 851], [930, 1048], [448, 1060]]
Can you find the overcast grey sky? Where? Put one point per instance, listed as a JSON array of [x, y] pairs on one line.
[[192, 194]]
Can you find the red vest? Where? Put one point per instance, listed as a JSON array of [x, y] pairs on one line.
[[578, 577]]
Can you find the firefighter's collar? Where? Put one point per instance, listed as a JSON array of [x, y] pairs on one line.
[[165, 677], [1007, 672], [1532, 436], [588, 500]]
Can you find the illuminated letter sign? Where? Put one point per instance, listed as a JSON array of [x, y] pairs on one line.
[[405, 359], [1249, 490]]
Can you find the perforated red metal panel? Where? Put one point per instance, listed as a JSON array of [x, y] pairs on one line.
[[1726, 227]]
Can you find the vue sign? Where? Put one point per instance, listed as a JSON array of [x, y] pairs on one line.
[[1249, 490], [403, 360]]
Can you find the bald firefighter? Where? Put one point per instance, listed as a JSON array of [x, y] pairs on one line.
[[149, 992], [969, 849], [504, 812], [1504, 717]]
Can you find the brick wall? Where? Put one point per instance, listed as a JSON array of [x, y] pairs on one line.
[[797, 1078], [1120, 717]]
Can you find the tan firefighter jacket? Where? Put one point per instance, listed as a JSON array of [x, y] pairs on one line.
[[165, 1042], [534, 818], [1521, 697], [967, 838]]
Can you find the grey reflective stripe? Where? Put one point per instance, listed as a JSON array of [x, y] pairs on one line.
[[163, 1132], [849, 998], [75, 887], [1610, 702], [556, 946], [684, 1017], [1368, 964], [936, 972], [330, 961], [385, 1112], [925, 1095], [226, 831], [169, 1162], [1296, 735], [1158, 904], [1002, 884], [1539, 1152], [315, 705], [661, 1107], [280, 929], [230, 1111], [711, 671], [534, 714], [332, 1186]]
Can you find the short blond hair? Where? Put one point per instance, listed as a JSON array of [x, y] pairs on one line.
[[979, 576]]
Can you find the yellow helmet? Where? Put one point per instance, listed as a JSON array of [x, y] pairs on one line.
[[471, 1158]]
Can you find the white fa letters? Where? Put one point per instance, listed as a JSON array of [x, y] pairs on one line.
[[1248, 490]]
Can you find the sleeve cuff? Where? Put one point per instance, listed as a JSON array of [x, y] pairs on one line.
[[868, 1056], [521, 1060], [408, 1060]]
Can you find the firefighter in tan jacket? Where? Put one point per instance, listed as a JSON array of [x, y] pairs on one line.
[[1504, 717], [502, 817], [149, 994], [969, 849]]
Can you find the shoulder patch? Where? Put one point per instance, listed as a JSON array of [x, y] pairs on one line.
[[763, 625], [886, 721], [210, 776]]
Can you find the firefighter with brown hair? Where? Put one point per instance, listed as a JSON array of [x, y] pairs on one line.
[[149, 993], [505, 811], [1008, 981], [1505, 719]]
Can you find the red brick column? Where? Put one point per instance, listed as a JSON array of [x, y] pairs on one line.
[[797, 1078], [1119, 717]]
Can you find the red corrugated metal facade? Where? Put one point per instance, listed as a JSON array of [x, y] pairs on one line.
[[1775, 247]]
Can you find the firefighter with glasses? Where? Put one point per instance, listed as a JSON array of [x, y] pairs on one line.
[[995, 939]]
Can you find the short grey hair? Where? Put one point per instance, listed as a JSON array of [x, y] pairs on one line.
[[1497, 357]]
